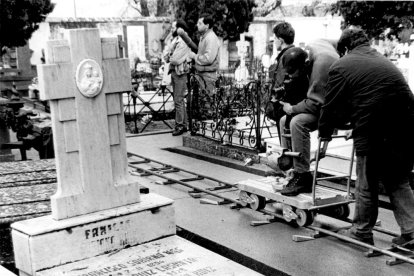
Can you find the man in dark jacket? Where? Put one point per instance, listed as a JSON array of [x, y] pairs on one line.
[[284, 38], [367, 90], [305, 114]]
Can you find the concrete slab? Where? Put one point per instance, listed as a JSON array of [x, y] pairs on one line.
[[270, 245], [167, 256]]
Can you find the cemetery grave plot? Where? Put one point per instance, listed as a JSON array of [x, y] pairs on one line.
[[25, 189]]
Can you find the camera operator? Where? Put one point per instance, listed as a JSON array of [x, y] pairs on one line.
[[305, 114]]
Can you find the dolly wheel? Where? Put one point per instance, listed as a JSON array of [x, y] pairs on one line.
[[304, 218], [258, 203], [342, 211]]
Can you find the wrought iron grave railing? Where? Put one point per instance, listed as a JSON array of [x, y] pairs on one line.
[[234, 113]]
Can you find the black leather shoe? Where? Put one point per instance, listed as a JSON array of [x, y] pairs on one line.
[[300, 183], [179, 131], [369, 239], [405, 240]]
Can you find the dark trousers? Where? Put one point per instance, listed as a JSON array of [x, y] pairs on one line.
[[179, 84], [371, 169]]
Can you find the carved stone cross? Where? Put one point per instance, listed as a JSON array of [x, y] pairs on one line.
[[83, 79], [242, 74]]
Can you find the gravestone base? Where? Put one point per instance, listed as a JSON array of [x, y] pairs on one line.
[[167, 256], [43, 243], [8, 157]]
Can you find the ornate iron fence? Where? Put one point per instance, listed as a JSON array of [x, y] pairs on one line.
[[235, 113]]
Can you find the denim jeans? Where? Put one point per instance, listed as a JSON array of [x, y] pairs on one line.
[[179, 84], [371, 169], [301, 126]]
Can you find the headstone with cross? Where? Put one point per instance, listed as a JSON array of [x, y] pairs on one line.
[[83, 80], [97, 207]]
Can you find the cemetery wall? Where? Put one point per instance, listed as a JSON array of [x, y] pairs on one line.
[[146, 37]]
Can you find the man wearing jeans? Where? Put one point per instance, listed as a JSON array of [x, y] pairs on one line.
[[178, 56], [305, 114], [369, 91]]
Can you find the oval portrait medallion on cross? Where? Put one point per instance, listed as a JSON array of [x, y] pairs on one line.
[[89, 78]]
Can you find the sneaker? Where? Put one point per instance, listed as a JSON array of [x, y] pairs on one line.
[[405, 240], [179, 131], [300, 183], [350, 233]]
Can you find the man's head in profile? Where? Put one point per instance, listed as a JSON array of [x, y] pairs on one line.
[[295, 62]]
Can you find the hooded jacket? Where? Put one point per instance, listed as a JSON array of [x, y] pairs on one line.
[[322, 54]]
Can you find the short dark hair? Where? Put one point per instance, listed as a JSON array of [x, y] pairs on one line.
[[351, 38], [294, 59], [285, 31], [181, 24], [207, 19]]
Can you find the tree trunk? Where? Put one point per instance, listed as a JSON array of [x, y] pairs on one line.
[[144, 8], [162, 7]]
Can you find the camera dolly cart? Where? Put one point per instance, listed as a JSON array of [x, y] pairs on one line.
[[303, 207]]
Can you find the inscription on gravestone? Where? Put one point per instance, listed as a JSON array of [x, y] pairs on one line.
[[172, 256]]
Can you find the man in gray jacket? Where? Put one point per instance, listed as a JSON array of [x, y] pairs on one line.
[[305, 114], [207, 57]]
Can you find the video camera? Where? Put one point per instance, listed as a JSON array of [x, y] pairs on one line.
[[278, 94]]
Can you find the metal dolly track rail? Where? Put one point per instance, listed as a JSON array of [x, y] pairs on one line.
[[373, 250], [166, 168]]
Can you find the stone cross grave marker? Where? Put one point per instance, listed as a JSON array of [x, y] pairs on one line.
[[83, 79], [242, 73]]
